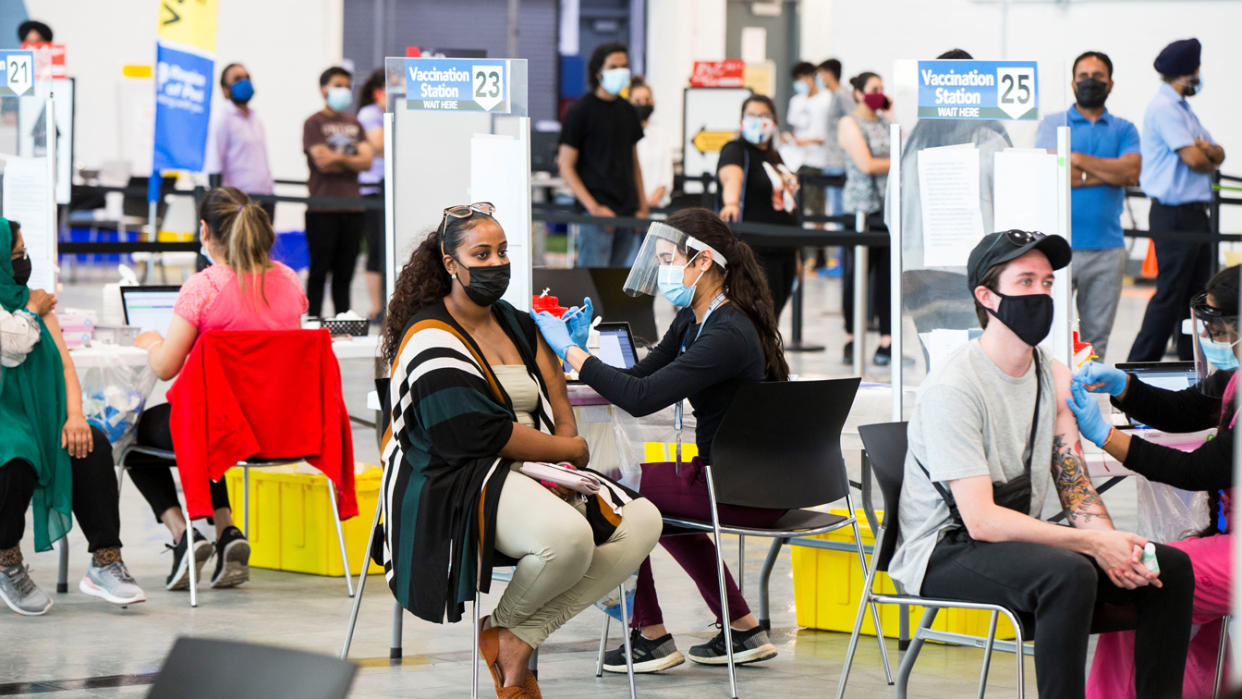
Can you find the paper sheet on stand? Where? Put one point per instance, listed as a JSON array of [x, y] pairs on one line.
[[27, 200], [949, 199], [941, 342], [493, 159]]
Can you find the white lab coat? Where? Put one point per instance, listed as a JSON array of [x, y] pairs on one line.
[[19, 332]]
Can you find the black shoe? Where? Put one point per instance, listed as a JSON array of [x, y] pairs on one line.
[[649, 656], [179, 578], [848, 354], [232, 559], [883, 356], [748, 647]]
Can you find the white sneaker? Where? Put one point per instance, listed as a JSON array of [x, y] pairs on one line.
[[112, 583], [20, 593]]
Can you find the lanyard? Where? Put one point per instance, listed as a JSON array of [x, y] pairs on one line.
[[678, 407]]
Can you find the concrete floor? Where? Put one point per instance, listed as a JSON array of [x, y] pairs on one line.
[[87, 648]]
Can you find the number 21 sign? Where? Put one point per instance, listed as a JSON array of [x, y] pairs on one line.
[[18, 73]]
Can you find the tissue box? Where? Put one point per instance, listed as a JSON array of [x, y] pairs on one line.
[[77, 326]]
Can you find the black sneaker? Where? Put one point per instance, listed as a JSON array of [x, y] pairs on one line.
[[649, 656], [883, 356], [179, 578], [232, 559], [748, 647], [847, 355]]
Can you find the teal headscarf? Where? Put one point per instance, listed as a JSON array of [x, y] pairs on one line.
[[32, 414]]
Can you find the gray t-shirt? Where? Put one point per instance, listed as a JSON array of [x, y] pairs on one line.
[[971, 419]]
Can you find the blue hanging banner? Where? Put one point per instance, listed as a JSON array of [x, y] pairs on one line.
[[978, 90], [183, 87], [457, 84]]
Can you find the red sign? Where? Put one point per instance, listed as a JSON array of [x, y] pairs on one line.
[[726, 73], [49, 60]]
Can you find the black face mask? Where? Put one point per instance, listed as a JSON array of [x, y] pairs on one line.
[[1091, 93], [1029, 316], [1191, 88], [487, 283], [644, 111], [21, 270]]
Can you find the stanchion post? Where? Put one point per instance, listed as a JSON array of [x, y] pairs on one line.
[[860, 296], [1214, 220], [897, 367]]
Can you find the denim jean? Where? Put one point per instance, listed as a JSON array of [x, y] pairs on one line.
[[605, 246]]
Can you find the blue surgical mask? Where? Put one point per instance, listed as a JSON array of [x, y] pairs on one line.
[[757, 130], [614, 80], [1219, 354], [819, 82], [669, 279], [241, 91], [203, 251], [800, 87], [339, 99]]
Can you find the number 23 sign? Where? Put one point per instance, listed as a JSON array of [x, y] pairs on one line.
[[457, 84], [18, 72]]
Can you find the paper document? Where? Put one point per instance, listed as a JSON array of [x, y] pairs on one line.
[[949, 197], [1025, 190], [940, 342], [493, 160], [28, 200]]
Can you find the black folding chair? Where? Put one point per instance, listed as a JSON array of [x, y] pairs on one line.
[[193, 670]]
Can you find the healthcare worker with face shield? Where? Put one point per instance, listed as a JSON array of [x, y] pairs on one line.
[[1210, 403], [723, 336]]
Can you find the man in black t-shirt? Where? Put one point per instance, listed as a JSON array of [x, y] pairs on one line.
[[599, 160]]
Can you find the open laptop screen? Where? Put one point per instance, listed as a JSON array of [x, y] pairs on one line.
[[616, 345], [149, 307]]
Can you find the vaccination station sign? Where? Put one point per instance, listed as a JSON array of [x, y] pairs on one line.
[[17, 79], [978, 90], [457, 85]]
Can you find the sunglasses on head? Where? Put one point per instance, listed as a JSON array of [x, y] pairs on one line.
[[1018, 238], [466, 211]]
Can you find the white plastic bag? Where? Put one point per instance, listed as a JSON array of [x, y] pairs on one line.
[[632, 432], [1169, 514], [114, 392]]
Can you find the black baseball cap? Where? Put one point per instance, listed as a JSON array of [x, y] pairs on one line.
[[998, 248]]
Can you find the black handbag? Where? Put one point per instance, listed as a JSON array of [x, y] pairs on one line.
[[1014, 494]]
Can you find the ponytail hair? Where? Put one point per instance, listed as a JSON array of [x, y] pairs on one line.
[[424, 280], [243, 229], [745, 284]]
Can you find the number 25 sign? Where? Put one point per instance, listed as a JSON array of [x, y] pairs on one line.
[[18, 72]]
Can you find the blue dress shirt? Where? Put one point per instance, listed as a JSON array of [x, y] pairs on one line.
[[1169, 125], [1095, 211]]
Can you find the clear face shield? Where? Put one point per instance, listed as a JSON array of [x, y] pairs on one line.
[[663, 246], [1215, 341]]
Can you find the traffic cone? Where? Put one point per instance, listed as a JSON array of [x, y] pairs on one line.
[[1149, 262]]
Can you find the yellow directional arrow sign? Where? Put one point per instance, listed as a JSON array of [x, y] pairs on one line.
[[189, 22], [711, 141]]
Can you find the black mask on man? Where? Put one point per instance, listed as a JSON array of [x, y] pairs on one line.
[[1191, 88], [487, 283], [1029, 316], [21, 270], [1091, 93], [644, 111]]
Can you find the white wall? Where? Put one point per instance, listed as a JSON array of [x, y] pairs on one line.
[[284, 43], [680, 32]]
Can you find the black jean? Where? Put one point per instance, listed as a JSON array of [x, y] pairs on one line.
[[780, 267], [1061, 590], [373, 224], [333, 239], [94, 497], [153, 476], [879, 276], [1184, 269]]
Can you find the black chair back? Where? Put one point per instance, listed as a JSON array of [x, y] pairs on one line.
[[886, 449], [195, 669], [779, 445]]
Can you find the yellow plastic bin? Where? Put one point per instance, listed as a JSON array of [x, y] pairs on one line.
[[828, 585], [291, 526], [657, 452]]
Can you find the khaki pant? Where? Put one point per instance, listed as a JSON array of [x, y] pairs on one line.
[[560, 570]]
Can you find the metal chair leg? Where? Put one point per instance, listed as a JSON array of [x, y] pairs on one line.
[[340, 537], [765, 576], [62, 573], [246, 499], [987, 654], [603, 641], [362, 580], [1020, 654], [1220, 655], [863, 603], [629, 656], [741, 563], [474, 651], [726, 625], [875, 613], [395, 650], [916, 644]]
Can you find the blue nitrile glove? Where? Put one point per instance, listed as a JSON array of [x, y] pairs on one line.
[[579, 322], [555, 332], [1091, 423], [1099, 378]]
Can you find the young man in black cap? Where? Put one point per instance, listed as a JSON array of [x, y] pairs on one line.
[[1179, 157], [991, 435]]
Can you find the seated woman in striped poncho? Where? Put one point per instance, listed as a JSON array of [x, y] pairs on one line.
[[475, 392]]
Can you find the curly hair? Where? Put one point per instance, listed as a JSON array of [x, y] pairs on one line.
[[424, 280]]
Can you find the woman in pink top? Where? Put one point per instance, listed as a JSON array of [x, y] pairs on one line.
[[243, 290]]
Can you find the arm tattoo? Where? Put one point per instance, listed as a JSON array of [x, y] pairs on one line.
[[1077, 495]]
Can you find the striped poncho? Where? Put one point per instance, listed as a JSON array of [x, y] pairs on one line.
[[442, 473]]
